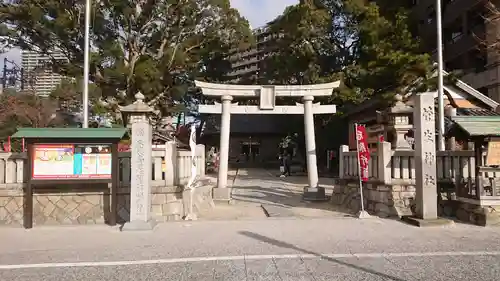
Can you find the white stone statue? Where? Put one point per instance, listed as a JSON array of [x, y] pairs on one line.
[[190, 185], [192, 146]]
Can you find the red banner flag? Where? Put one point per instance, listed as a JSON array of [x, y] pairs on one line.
[[381, 138], [8, 147], [363, 152]]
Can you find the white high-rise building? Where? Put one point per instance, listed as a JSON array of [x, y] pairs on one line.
[[39, 78]]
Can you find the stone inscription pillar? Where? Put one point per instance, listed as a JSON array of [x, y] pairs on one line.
[[141, 166], [312, 168], [223, 193], [425, 157]]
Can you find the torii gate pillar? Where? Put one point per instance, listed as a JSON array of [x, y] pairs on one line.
[[225, 126], [310, 135], [267, 105]]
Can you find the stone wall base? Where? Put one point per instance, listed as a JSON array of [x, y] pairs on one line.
[[478, 215], [399, 200], [379, 200], [53, 207]]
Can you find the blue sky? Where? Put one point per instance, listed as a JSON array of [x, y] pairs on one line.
[[257, 12]]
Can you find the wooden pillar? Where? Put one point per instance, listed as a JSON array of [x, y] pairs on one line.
[[114, 184], [478, 153], [28, 191]]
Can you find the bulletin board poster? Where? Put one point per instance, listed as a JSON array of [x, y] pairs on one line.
[[71, 161], [493, 153]]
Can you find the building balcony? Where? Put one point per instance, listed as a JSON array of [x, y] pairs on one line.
[[420, 10], [483, 79], [455, 8], [461, 44], [244, 62], [243, 71], [450, 11]]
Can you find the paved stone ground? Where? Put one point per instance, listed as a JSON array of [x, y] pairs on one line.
[[254, 187], [282, 249], [314, 243]]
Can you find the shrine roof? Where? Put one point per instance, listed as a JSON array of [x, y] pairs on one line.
[[70, 133], [456, 88], [479, 125], [476, 112]]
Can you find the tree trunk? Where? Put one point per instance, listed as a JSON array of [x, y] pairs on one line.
[[451, 99]]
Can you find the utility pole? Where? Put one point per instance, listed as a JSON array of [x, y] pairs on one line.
[[11, 75], [4, 76], [440, 138], [86, 62]]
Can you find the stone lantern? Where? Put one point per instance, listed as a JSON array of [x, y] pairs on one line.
[[139, 109], [398, 123], [137, 117]]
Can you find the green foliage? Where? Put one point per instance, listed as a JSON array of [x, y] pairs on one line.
[[69, 94], [371, 51], [154, 46], [8, 127], [302, 47], [387, 56]]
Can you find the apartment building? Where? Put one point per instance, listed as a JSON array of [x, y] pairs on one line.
[[464, 29], [245, 65], [38, 77]]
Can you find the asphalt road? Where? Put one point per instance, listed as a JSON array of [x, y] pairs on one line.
[[272, 249], [475, 267]]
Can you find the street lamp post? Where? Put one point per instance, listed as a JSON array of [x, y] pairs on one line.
[[440, 138], [86, 66]]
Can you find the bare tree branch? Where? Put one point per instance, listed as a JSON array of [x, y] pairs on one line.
[[29, 108], [490, 40]]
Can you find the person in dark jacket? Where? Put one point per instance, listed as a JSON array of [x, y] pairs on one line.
[[281, 159], [286, 163]]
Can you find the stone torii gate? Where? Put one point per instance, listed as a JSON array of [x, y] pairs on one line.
[[267, 105]]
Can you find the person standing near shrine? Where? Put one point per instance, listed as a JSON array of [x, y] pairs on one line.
[[285, 165]]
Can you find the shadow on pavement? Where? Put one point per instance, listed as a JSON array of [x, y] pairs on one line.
[[254, 188], [282, 197], [285, 245]]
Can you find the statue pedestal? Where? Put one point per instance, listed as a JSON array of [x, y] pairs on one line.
[[415, 221], [222, 195], [314, 194], [139, 225], [188, 198], [191, 217]]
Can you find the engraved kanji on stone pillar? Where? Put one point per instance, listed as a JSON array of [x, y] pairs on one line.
[[141, 165], [425, 156]]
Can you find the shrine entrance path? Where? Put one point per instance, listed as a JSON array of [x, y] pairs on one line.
[[261, 193]]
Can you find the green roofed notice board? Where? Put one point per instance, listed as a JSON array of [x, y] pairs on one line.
[[72, 158], [70, 133]]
